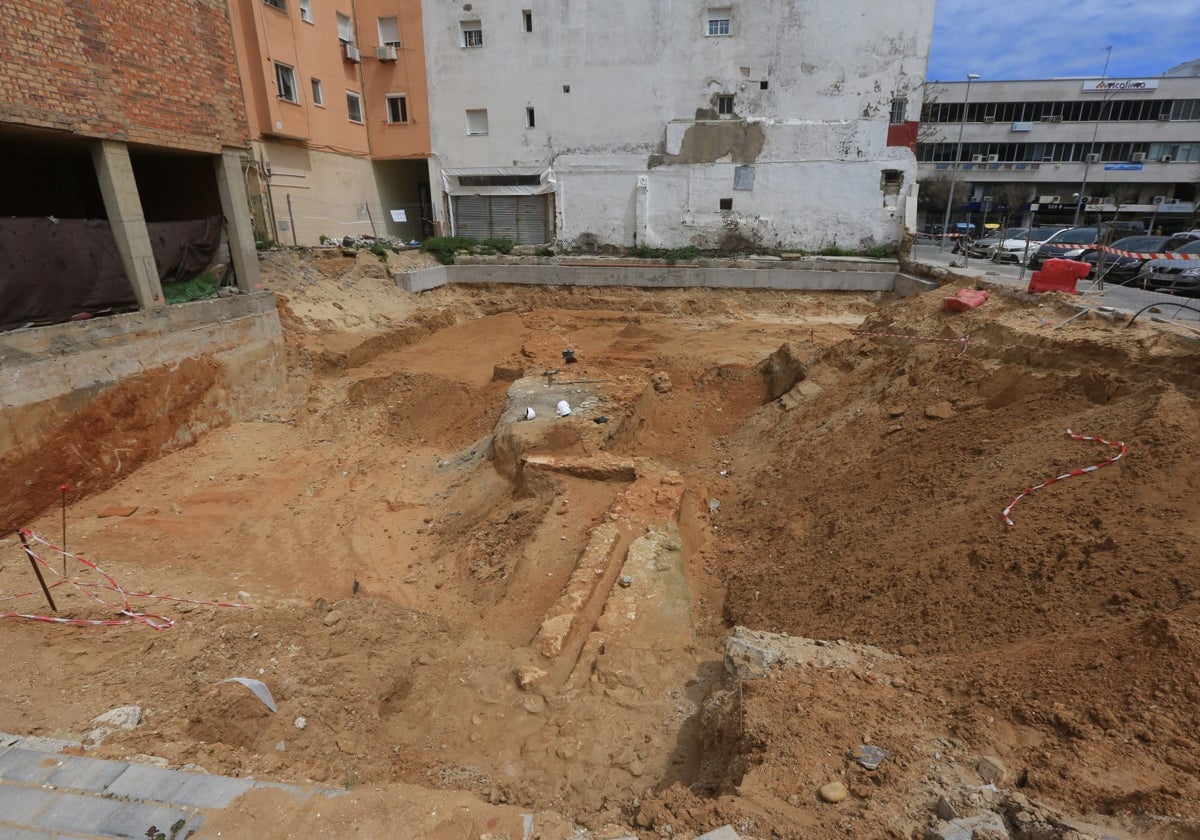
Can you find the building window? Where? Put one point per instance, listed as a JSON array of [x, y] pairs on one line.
[[354, 106], [389, 32], [726, 203], [527, 19], [397, 104], [472, 33], [477, 122], [725, 104], [899, 110], [764, 84], [530, 122], [306, 11], [718, 21], [281, 5], [285, 82], [345, 29], [318, 93]]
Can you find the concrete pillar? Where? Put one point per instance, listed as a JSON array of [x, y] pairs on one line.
[[124, 208], [231, 184]]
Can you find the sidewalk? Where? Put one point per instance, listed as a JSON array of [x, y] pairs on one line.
[[45, 794]]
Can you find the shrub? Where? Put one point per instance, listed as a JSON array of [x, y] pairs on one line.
[[671, 255], [500, 245], [544, 251], [445, 247]]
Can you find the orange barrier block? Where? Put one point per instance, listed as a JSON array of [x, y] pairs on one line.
[[1058, 276]]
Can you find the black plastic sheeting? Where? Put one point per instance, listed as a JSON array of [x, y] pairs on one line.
[[54, 270]]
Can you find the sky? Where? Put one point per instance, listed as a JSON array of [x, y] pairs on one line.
[[1036, 39]]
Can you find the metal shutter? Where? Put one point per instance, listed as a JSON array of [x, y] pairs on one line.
[[531, 220], [504, 217], [471, 216]]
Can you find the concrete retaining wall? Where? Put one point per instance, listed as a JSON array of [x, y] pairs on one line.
[[47, 373], [863, 279]]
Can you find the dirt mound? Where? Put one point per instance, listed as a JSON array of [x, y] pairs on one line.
[[437, 612]]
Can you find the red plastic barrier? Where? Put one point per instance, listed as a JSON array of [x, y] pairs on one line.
[[1058, 276]]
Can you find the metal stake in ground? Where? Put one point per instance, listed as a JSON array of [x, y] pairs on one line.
[[37, 571]]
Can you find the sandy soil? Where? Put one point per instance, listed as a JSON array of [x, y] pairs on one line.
[[410, 547]]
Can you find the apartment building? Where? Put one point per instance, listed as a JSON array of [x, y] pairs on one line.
[[1068, 150], [336, 100], [787, 123], [117, 173]]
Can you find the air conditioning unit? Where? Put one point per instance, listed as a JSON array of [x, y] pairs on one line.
[[351, 53], [1137, 157], [1165, 117], [1053, 118], [976, 158], [993, 158], [1049, 199], [1171, 201], [386, 53], [1165, 159], [1159, 199], [1093, 158], [990, 118]]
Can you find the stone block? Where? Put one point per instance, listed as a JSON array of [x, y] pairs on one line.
[[85, 774], [80, 813]]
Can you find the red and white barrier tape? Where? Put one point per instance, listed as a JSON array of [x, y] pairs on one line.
[[964, 341], [152, 620], [1058, 478], [1166, 255]]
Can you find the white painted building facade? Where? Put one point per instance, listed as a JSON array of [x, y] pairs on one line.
[[676, 122]]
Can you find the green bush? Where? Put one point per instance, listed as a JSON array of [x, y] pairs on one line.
[[381, 251], [543, 251], [882, 252], [445, 247], [835, 251], [499, 245]]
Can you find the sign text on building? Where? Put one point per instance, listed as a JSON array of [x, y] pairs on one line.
[[1120, 85]]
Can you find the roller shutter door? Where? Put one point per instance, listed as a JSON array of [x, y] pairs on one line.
[[522, 219]]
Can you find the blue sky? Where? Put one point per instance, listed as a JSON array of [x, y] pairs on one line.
[[1036, 39]]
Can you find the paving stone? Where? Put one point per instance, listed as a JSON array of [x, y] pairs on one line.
[[200, 791], [86, 774], [22, 804], [46, 745], [138, 781], [725, 832], [135, 819], [7, 740], [21, 765], [79, 812], [13, 833]]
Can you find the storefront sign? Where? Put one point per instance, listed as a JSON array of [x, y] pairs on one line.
[[1120, 85], [1123, 167]]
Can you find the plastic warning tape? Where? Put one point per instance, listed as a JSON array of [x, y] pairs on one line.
[[964, 341], [1141, 256], [1066, 475], [125, 608]]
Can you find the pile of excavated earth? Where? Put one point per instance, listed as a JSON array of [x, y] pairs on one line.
[[756, 578]]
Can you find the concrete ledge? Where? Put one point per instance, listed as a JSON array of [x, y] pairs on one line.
[[857, 279]]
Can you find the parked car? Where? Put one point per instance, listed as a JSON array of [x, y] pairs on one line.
[[1119, 270], [983, 247], [1017, 249], [1177, 277], [1067, 244]]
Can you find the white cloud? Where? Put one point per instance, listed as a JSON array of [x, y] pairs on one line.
[[1024, 39]]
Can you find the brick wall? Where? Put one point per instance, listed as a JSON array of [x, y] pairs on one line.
[[161, 73]]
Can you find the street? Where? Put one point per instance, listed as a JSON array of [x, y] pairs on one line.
[[1118, 297]]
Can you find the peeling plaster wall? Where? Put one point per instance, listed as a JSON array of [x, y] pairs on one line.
[[637, 145]]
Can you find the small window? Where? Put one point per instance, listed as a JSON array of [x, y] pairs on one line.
[[318, 93], [477, 121], [397, 104], [527, 19], [725, 104], [285, 82], [354, 106], [281, 5], [306, 11], [530, 122], [566, 88], [726, 203], [345, 29], [389, 32], [763, 85], [899, 110], [718, 21], [472, 33]]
